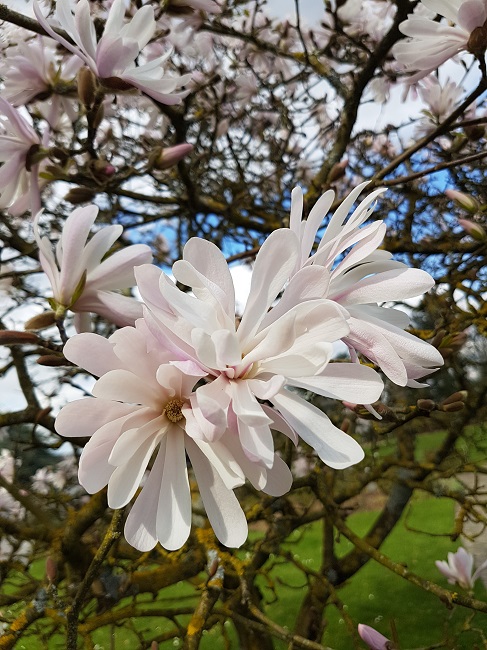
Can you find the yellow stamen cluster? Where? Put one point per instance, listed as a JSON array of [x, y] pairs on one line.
[[173, 410]]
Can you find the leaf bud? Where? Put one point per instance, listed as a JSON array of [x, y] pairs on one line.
[[40, 321], [79, 195], [52, 361], [459, 396], [51, 569], [14, 337], [426, 405]]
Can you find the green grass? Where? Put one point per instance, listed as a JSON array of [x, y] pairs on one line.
[[374, 596]]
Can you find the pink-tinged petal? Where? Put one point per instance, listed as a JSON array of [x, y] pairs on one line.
[[223, 461], [129, 442], [66, 20], [85, 416], [279, 478], [162, 90], [257, 443], [472, 14], [364, 244], [216, 350], [140, 527], [313, 223], [246, 407], [273, 267], [210, 414], [266, 388], [141, 28], [447, 8], [224, 512], [196, 312], [130, 349], [126, 478], [92, 352], [115, 19], [114, 55], [124, 386], [205, 269], [116, 308], [478, 571], [344, 381], [296, 212], [444, 568], [279, 423], [94, 468], [174, 513], [70, 250], [84, 26], [148, 277], [309, 283], [370, 342], [117, 271], [388, 286], [334, 447], [18, 124], [82, 322], [99, 245]]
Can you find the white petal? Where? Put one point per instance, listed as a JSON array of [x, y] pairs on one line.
[[174, 513], [334, 447], [224, 512]]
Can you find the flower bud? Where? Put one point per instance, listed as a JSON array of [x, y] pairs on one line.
[[169, 156], [473, 229], [41, 321], [477, 43], [375, 640], [86, 87], [465, 201]]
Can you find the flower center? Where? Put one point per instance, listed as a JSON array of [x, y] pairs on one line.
[[173, 410]]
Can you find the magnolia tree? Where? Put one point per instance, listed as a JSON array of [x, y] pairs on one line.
[[242, 274]]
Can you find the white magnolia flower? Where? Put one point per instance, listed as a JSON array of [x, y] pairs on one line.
[[441, 100], [33, 70], [359, 277], [143, 408], [113, 58], [433, 42], [269, 352], [80, 280], [19, 145], [459, 568]]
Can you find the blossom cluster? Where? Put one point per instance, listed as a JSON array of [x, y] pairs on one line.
[[192, 378], [188, 376]]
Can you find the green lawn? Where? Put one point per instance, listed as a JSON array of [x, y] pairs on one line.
[[374, 596]]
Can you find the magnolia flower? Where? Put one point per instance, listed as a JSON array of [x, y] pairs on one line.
[[361, 279], [20, 148], [113, 58], [458, 569], [270, 352], [143, 408], [32, 70], [441, 100], [373, 639], [431, 43], [80, 280]]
